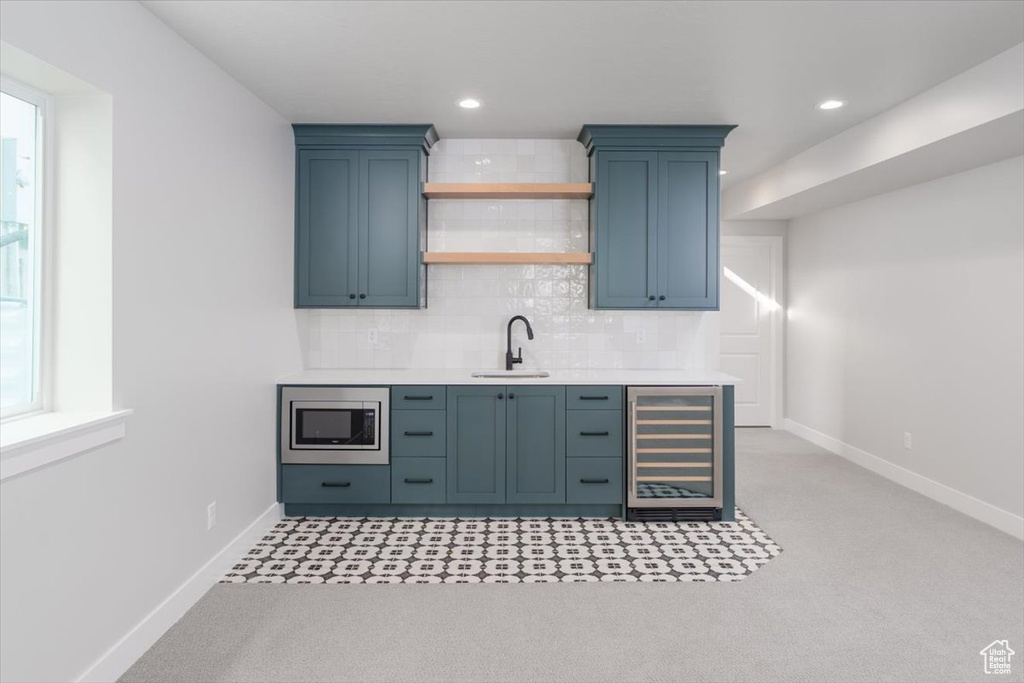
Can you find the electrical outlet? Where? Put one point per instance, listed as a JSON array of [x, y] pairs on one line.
[[641, 336], [211, 515], [371, 335], [907, 441]]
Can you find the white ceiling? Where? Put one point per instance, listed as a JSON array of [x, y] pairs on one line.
[[542, 69]]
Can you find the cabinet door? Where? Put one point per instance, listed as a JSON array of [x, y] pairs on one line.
[[535, 445], [388, 228], [626, 188], [476, 444], [688, 230], [326, 237]]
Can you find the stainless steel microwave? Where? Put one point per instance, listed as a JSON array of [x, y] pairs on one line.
[[334, 425]]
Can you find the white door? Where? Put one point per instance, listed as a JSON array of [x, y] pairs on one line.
[[751, 326]]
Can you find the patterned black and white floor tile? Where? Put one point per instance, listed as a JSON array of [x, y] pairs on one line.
[[502, 550]]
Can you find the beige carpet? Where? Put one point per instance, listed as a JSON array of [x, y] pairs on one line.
[[875, 583]]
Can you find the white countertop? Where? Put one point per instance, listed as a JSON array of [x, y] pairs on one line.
[[459, 376]]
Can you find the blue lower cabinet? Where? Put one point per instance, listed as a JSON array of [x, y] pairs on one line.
[[476, 444], [506, 444], [418, 433], [335, 483], [418, 480], [418, 397], [593, 398], [484, 450], [535, 445], [593, 480], [593, 433]]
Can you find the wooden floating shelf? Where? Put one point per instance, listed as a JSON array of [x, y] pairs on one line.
[[508, 190], [673, 450], [507, 258], [691, 409]]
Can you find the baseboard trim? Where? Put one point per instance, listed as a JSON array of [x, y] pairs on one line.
[[123, 654], [958, 500]]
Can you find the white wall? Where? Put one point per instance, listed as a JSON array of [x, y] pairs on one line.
[[772, 228], [469, 306], [906, 313], [203, 325]]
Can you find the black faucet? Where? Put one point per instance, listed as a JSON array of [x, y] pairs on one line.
[[511, 360]]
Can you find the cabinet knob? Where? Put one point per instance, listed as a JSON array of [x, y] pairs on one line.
[[351, 296], [661, 298], [501, 396], [651, 297], [362, 296], [511, 396]]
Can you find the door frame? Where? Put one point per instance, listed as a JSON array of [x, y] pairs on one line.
[[776, 247]]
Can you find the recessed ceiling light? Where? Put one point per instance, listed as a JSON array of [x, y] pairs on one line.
[[469, 103], [722, 172], [830, 104]]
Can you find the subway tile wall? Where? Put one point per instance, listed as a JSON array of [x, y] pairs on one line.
[[469, 306]]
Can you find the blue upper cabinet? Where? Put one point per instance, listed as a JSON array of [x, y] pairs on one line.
[[360, 215], [688, 234], [654, 216], [627, 208], [389, 244], [326, 238]]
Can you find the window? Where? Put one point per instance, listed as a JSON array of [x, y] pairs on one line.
[[21, 235]]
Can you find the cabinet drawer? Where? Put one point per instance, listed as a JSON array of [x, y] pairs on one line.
[[418, 397], [593, 433], [593, 398], [593, 480], [335, 483], [418, 433], [418, 480]]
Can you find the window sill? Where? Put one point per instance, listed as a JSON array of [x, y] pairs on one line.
[[40, 440]]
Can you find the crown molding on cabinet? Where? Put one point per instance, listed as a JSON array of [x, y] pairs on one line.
[[365, 136], [623, 137]]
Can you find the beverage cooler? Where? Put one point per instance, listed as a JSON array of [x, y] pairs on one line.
[[675, 453]]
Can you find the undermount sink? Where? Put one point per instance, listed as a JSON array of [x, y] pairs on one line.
[[512, 373]]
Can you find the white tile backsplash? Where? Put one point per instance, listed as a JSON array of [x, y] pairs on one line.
[[469, 306]]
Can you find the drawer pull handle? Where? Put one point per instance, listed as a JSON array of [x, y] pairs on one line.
[[593, 398], [336, 484], [594, 481], [419, 398], [593, 433], [419, 481], [419, 433]]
